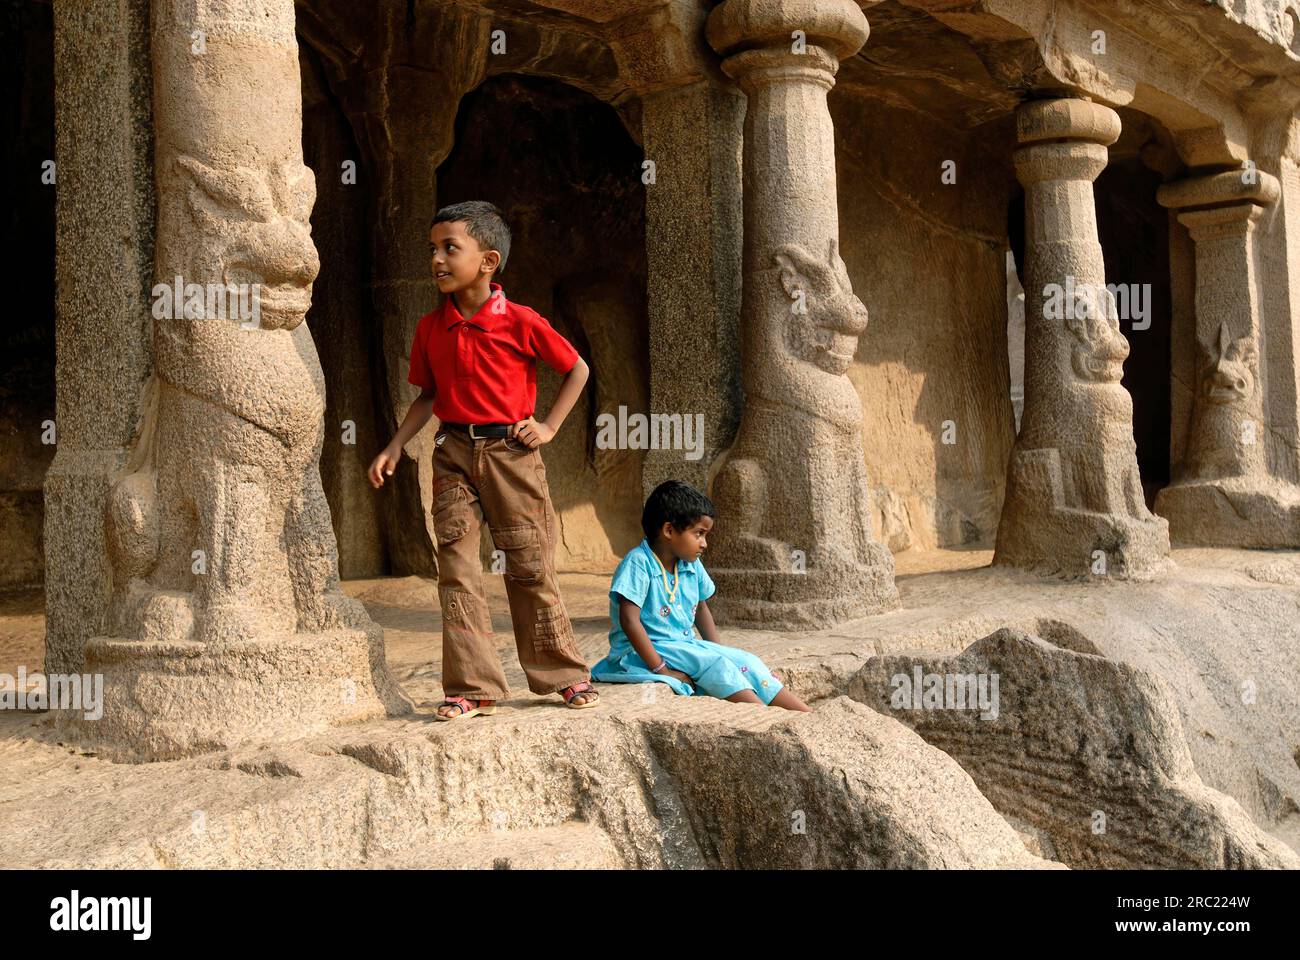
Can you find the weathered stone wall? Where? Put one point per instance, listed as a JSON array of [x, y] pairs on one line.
[[929, 261], [1277, 21], [384, 87]]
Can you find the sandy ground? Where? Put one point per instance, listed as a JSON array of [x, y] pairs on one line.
[[22, 630], [407, 608]]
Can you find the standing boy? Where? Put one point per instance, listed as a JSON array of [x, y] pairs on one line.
[[474, 358]]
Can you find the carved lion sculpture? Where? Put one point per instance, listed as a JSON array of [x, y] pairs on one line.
[[1100, 464], [219, 529], [1099, 348], [830, 317], [1097, 456], [1224, 439], [807, 419]]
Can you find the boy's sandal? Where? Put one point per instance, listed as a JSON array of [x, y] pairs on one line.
[[584, 688], [463, 705]]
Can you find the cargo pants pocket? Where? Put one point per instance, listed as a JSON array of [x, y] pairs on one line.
[[523, 550], [456, 606], [554, 629], [451, 511]]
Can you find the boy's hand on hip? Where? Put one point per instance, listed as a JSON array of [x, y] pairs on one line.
[[533, 432], [383, 466]]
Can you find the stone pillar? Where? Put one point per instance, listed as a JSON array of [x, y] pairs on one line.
[[1224, 493], [226, 624], [793, 544], [694, 219], [1275, 143], [103, 268], [1074, 502]]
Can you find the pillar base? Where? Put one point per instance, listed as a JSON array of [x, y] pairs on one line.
[[816, 598], [1065, 542], [1039, 533], [171, 699], [1259, 512]]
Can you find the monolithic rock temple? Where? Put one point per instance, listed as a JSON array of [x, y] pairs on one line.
[[978, 320]]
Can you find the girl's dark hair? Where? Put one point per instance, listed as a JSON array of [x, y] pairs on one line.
[[674, 502], [484, 222]]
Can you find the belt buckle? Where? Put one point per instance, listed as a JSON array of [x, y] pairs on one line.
[[472, 435]]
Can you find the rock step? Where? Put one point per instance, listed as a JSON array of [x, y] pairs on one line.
[[573, 845]]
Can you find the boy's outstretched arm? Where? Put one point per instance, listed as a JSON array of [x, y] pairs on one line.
[[629, 618], [536, 432], [416, 417], [704, 621]]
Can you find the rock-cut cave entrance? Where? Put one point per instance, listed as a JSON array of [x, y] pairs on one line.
[[566, 172], [1134, 232]]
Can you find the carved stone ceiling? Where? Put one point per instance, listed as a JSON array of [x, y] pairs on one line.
[[596, 11]]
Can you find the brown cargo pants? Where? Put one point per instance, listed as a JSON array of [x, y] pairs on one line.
[[502, 480]]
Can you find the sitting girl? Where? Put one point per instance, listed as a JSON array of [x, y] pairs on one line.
[[659, 593]]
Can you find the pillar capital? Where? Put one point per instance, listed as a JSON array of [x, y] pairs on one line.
[[1057, 160], [1227, 188], [752, 69], [1216, 223], [838, 26], [1040, 121], [1063, 139]]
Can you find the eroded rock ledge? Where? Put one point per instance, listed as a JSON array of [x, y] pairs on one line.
[[689, 784]]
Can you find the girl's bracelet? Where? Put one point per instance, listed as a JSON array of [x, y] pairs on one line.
[[663, 665]]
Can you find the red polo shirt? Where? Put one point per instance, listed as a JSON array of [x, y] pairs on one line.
[[484, 369]]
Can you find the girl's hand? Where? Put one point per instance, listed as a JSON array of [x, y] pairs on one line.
[[384, 465], [670, 672], [533, 432]]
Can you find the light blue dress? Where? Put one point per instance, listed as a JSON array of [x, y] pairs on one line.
[[717, 670]]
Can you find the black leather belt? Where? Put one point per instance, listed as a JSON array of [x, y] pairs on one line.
[[479, 431]]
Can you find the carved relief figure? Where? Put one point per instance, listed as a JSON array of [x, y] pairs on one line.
[[1099, 349], [1093, 480], [220, 528], [829, 337], [1225, 438], [1096, 460], [799, 420]]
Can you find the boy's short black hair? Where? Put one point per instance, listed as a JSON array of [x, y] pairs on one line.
[[484, 222], [674, 502]]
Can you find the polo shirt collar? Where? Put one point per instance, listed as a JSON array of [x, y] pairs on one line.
[[682, 565], [485, 318]]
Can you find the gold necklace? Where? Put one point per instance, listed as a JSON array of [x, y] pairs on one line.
[[672, 594]]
